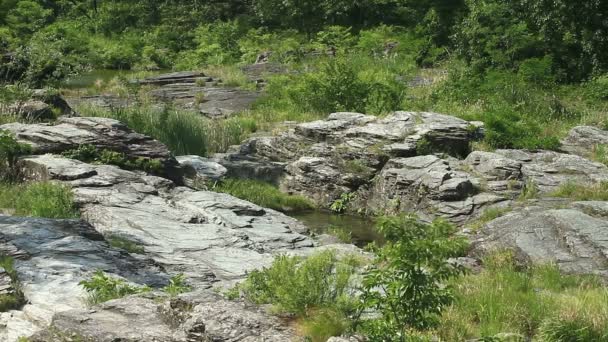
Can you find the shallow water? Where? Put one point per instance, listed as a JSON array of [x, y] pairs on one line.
[[361, 228]]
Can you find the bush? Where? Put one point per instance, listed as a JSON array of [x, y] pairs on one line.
[[408, 286], [10, 151], [297, 286], [262, 194], [102, 288]]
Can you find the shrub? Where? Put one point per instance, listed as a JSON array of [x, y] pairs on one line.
[[295, 285], [262, 194], [10, 151], [408, 286], [102, 288]]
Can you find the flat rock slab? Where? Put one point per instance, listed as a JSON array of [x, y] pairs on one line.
[[52, 257]]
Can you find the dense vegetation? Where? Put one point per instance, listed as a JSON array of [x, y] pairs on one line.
[[416, 294], [529, 69]]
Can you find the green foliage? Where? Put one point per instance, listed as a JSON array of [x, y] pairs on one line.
[[538, 303], [126, 244], [27, 17], [10, 151], [341, 204], [408, 286], [102, 288], [44, 199], [295, 285], [262, 194], [90, 154], [184, 132], [15, 299], [177, 285]]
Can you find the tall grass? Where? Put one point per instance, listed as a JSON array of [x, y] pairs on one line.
[[263, 194], [539, 303], [583, 192], [184, 132], [44, 199], [10, 301]]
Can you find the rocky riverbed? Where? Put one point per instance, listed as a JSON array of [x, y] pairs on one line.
[[405, 162]]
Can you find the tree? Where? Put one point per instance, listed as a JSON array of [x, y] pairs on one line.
[[27, 17], [408, 284]]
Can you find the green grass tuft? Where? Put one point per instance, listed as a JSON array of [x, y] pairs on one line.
[[262, 194], [43, 199], [582, 192], [102, 288], [125, 244], [12, 300]]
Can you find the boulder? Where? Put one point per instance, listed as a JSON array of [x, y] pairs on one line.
[[200, 169], [71, 133], [32, 110], [582, 140], [198, 316], [574, 240]]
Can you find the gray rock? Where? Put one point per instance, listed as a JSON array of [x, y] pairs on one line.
[[583, 139], [52, 257], [192, 317], [570, 238], [103, 133], [173, 78], [31, 110], [197, 168]]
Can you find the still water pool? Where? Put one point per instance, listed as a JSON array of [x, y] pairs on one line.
[[361, 228]]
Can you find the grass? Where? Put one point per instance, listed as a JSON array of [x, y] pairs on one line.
[[263, 194], [12, 300], [42, 199], [125, 244], [582, 192], [230, 76], [184, 132], [600, 154], [488, 215], [342, 234], [538, 303]]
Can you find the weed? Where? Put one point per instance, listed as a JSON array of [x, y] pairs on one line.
[[530, 191], [340, 233], [102, 288], [488, 215], [44, 199], [11, 300], [341, 204], [177, 285]]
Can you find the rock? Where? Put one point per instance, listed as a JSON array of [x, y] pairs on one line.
[[343, 153], [199, 169], [582, 140], [572, 239], [189, 318], [54, 100], [173, 78], [32, 110], [207, 236], [494, 167], [52, 256], [103, 133], [548, 170]]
